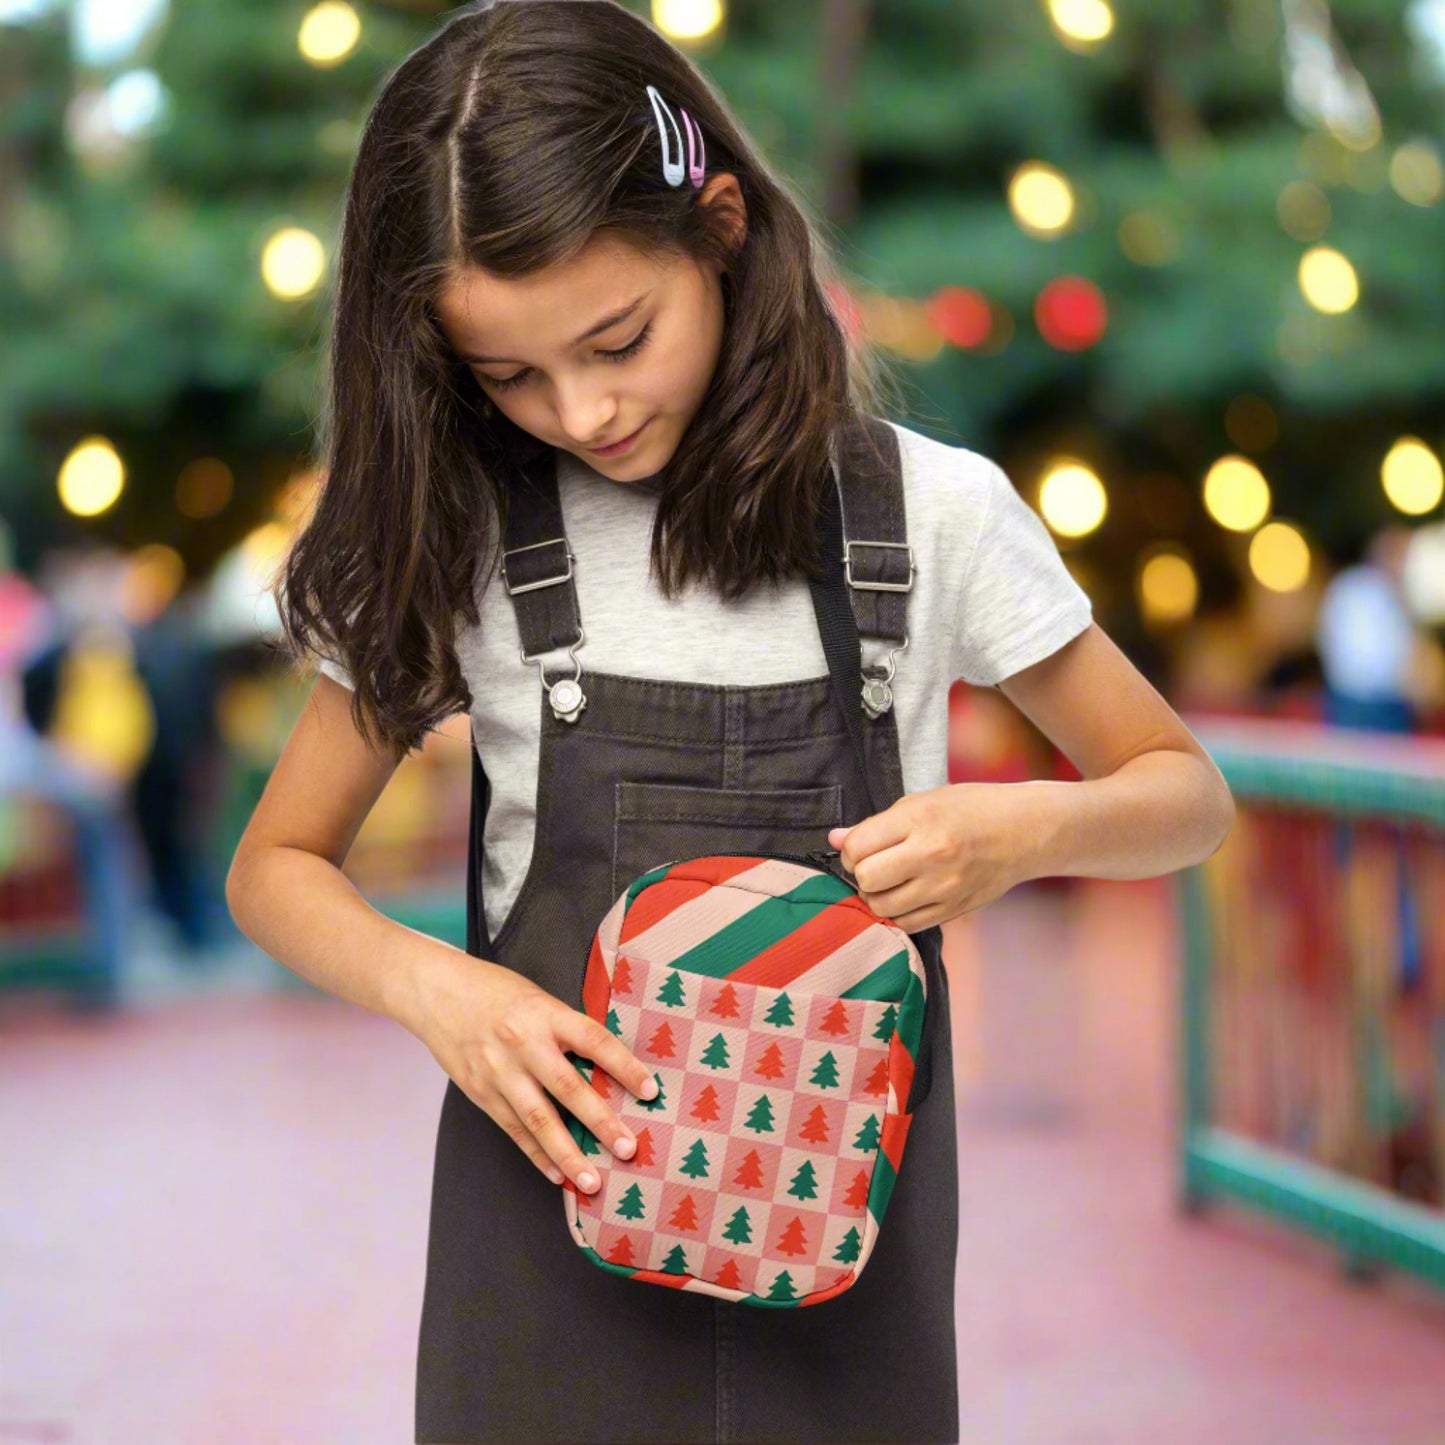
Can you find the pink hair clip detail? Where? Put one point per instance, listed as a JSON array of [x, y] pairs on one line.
[[675, 169]]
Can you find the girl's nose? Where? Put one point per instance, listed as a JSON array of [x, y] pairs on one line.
[[585, 414]]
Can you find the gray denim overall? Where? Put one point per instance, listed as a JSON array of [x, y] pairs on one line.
[[523, 1338]]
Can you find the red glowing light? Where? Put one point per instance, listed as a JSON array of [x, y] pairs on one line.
[[1071, 313], [961, 315]]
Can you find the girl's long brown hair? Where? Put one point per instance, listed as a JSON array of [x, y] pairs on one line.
[[506, 142]]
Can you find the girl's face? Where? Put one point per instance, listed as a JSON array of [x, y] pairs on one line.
[[607, 355]]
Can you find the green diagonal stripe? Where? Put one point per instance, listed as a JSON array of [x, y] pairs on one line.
[[887, 981], [759, 928], [881, 1190]]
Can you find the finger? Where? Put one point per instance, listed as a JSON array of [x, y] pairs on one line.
[[885, 871], [583, 1101], [584, 1035], [506, 1119], [540, 1119], [882, 830]]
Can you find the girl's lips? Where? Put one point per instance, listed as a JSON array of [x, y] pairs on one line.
[[617, 448]]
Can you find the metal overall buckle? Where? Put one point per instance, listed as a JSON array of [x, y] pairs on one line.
[[877, 695], [565, 695]]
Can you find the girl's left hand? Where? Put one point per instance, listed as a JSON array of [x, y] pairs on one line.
[[938, 854]]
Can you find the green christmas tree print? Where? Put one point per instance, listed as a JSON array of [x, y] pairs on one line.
[[887, 1024], [715, 1056], [805, 1182], [630, 1206], [783, 1287], [739, 1229], [671, 992], [676, 1261], [848, 1250], [781, 1013], [588, 1143], [695, 1165], [659, 1102], [867, 1139], [760, 1120], [614, 1026], [825, 1076]]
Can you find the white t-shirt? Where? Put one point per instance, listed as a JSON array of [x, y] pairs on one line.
[[991, 596]]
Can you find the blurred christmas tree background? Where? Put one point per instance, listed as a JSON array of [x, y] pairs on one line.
[[1110, 244]]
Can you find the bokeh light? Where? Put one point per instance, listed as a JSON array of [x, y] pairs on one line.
[[204, 487], [1082, 22], [1072, 499], [1167, 588], [687, 19], [961, 315], [91, 478], [1413, 478], [1041, 199], [1279, 557], [1328, 281], [293, 263], [1416, 173], [1303, 210], [329, 33], [1236, 494], [153, 576], [1071, 313]]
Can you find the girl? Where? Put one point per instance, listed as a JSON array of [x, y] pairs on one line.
[[579, 323]]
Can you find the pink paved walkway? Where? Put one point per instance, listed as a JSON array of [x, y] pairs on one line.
[[212, 1222]]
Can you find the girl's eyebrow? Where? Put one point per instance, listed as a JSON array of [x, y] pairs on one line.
[[605, 324]]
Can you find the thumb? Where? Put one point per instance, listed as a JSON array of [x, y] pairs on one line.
[[836, 836]]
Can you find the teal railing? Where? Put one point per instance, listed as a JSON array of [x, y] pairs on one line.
[[1313, 1001]]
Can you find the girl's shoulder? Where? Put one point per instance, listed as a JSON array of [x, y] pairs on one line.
[[949, 490]]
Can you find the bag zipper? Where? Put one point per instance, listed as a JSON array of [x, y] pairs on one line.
[[822, 859]]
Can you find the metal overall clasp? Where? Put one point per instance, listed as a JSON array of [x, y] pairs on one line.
[[565, 695], [877, 695]]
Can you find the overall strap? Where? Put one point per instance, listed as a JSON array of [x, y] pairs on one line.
[[537, 563]]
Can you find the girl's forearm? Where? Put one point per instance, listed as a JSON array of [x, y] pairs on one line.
[[1160, 811], [305, 913]]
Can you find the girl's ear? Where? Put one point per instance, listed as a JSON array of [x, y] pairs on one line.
[[722, 200]]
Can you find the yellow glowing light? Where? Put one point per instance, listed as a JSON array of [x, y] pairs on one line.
[[1085, 21], [1072, 499], [1041, 199], [293, 263], [204, 487], [152, 577], [1328, 280], [687, 19], [1148, 238], [103, 716], [329, 33], [1279, 557], [1417, 174], [1413, 477], [1236, 494], [91, 478], [265, 550], [1168, 588], [1303, 210]]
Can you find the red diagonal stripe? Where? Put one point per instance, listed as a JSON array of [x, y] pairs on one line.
[[807, 945], [653, 1276], [683, 882], [596, 986], [895, 1133], [900, 1071]]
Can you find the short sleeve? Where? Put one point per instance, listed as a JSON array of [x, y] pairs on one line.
[[335, 672], [1018, 603]]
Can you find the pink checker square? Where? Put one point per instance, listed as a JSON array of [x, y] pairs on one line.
[[852, 1179], [654, 1145], [694, 1157], [686, 1211], [751, 1170], [794, 1235], [870, 1077], [729, 1269], [805, 1178], [707, 1103], [771, 1062], [716, 1050], [778, 1013], [826, 1068], [663, 1038], [618, 1244], [835, 1020], [816, 1123], [629, 979], [737, 1224], [725, 1002]]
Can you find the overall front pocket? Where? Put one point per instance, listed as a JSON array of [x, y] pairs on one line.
[[654, 823]]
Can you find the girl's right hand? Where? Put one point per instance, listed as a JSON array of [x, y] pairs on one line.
[[501, 1038]]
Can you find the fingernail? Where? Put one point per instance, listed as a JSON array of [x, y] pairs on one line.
[[623, 1148], [587, 1180], [555, 1175], [649, 1089]]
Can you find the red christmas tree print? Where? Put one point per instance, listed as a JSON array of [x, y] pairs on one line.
[[770, 1065], [728, 1276], [857, 1195], [661, 1043], [602, 1084], [725, 1006], [750, 1172], [706, 1109], [815, 1127], [794, 1240], [684, 1217], [644, 1154], [622, 977], [622, 1252], [836, 1020], [878, 1080]]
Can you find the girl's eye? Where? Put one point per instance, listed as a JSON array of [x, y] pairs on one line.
[[623, 353]]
